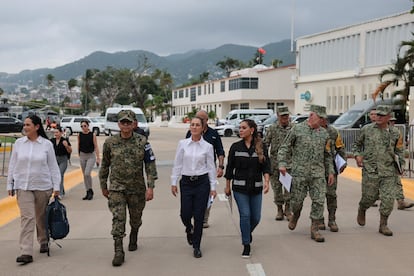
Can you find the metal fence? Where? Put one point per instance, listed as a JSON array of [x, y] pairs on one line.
[[6, 146], [349, 135]]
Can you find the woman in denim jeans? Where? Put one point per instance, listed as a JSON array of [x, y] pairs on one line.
[[248, 163]]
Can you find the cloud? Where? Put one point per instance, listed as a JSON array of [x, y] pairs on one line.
[[50, 33]]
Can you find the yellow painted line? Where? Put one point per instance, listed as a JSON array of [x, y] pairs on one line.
[[355, 174], [8, 206]]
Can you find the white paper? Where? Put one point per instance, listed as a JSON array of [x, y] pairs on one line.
[[286, 181], [339, 163], [210, 201]]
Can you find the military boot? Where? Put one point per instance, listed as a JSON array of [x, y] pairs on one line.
[[279, 215], [331, 221], [287, 212], [361, 217], [383, 228], [321, 225], [315, 235], [119, 256], [294, 220], [133, 240], [404, 205]]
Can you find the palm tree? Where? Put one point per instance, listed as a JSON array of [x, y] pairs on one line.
[[400, 74]]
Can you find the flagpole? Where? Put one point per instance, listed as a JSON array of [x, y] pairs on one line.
[[292, 25]]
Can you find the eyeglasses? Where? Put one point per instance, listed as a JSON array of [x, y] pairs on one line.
[[84, 125]]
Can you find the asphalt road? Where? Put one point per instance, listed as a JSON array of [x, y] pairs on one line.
[[163, 250]]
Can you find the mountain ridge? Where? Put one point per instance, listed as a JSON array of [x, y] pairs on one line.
[[181, 66]]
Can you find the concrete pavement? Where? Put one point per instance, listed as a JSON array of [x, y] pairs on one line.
[[163, 250]]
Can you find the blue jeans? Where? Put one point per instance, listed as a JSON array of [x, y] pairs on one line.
[[250, 209]]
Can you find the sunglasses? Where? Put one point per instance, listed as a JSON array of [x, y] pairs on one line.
[[84, 125]]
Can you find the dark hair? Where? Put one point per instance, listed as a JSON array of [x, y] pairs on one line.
[[257, 140], [84, 121], [37, 121], [59, 128]]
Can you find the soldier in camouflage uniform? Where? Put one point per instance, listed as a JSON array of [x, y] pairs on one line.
[[402, 205], [309, 147], [337, 147], [375, 151], [274, 138], [124, 157]]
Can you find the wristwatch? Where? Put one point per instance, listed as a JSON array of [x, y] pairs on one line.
[[221, 167]]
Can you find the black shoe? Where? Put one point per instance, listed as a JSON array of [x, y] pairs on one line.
[[24, 259], [190, 237], [44, 248], [90, 194], [197, 253], [86, 196], [246, 251]]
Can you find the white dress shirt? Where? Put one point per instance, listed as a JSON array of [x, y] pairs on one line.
[[33, 166], [194, 158]]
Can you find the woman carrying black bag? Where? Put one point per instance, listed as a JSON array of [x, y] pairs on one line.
[[63, 149]]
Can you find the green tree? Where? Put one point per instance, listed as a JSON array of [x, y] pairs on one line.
[[276, 62], [229, 65], [400, 76], [50, 80]]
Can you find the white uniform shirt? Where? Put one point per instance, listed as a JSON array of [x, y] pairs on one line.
[[194, 158], [33, 166]]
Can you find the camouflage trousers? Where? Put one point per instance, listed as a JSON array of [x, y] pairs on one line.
[[382, 188], [399, 192], [280, 194], [317, 192], [117, 203], [331, 201]]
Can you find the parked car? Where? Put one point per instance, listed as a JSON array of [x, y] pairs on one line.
[[10, 124], [226, 130], [72, 124], [258, 119]]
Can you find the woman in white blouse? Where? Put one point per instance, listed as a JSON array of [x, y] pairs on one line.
[[33, 175], [194, 163]]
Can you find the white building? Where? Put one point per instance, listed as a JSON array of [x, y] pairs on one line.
[[258, 87], [340, 67]]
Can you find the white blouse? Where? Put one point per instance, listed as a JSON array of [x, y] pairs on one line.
[[33, 166], [194, 158]]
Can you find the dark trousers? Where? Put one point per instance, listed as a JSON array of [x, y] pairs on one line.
[[194, 198]]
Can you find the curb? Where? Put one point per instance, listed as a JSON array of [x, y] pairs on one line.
[[8, 206]]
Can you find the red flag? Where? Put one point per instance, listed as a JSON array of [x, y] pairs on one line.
[[261, 51]]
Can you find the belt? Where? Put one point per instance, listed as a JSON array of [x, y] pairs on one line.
[[194, 177]]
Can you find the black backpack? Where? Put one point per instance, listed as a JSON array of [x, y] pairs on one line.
[[57, 224]]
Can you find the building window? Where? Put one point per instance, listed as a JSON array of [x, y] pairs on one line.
[[243, 83], [186, 92], [222, 86], [271, 106], [181, 94], [199, 90], [175, 94], [192, 94], [244, 106], [212, 88], [234, 106]]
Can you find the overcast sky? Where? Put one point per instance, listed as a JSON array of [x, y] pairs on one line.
[[51, 33]]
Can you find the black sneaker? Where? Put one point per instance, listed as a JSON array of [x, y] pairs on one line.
[[246, 251], [24, 259]]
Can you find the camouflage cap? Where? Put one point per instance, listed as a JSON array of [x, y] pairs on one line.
[[319, 110], [393, 117], [383, 110], [128, 115], [282, 110]]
